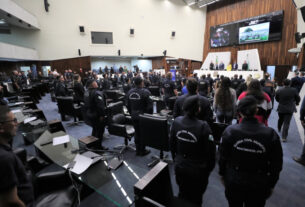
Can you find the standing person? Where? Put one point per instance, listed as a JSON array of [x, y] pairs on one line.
[[264, 102], [288, 98], [16, 188], [205, 113], [95, 110], [169, 88], [296, 82], [138, 102], [78, 89], [61, 89], [251, 159], [224, 102], [245, 66], [301, 159], [193, 155], [203, 87]]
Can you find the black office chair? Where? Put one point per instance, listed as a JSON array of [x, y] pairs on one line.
[[217, 131], [154, 90], [120, 125], [114, 95], [154, 130], [66, 106], [51, 188], [155, 190]]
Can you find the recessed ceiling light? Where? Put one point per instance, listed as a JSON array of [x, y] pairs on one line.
[[2, 21]]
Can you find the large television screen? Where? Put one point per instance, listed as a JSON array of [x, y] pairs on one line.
[[254, 33], [263, 28]]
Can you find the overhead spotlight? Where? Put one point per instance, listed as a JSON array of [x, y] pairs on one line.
[[29, 25], [119, 52], [20, 21], [164, 52], [9, 15]]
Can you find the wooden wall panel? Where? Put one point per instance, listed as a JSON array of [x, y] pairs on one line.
[[72, 63], [157, 63], [271, 53]]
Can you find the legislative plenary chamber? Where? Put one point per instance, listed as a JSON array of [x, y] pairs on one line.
[[152, 103]]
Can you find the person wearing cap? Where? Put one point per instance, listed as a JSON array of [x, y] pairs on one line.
[[95, 109], [138, 102], [192, 151], [251, 158]]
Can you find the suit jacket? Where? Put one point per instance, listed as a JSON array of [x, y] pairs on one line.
[[288, 98]]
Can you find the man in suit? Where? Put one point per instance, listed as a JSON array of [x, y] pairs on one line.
[[235, 66], [245, 66], [296, 82], [211, 66], [288, 97], [221, 66]]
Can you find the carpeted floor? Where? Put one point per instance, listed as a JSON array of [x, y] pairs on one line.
[[289, 191]]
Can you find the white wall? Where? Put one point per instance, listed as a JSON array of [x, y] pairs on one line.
[[96, 63], [153, 21], [9, 51], [144, 65]]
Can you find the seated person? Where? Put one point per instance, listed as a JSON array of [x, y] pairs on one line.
[[16, 188], [211, 66], [2, 100]]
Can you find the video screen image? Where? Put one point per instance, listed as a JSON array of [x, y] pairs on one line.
[[220, 36], [254, 33]]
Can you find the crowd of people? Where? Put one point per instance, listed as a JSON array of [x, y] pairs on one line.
[[251, 155]]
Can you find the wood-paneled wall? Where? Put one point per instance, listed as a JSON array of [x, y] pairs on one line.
[[72, 63], [271, 53]]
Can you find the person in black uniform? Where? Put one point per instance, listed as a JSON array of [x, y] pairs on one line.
[[251, 159], [235, 82], [193, 153], [106, 83], [169, 88], [95, 110], [78, 89], [203, 87], [61, 89], [16, 188], [205, 113], [138, 102]]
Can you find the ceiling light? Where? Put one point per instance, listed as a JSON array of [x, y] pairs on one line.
[[190, 2], [2, 21]]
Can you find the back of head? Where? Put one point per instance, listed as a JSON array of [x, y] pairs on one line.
[[247, 106], [191, 106], [192, 86], [225, 82], [255, 89], [287, 82], [169, 75], [138, 81]]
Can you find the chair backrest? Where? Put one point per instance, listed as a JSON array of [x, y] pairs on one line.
[[115, 108], [113, 94], [171, 102], [154, 90], [65, 105], [154, 188], [217, 130], [154, 130]]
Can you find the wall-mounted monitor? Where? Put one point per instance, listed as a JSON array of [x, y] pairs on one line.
[[263, 28]]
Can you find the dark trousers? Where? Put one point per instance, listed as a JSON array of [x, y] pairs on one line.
[[192, 183], [246, 198], [140, 147], [98, 128], [284, 120], [224, 116]]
